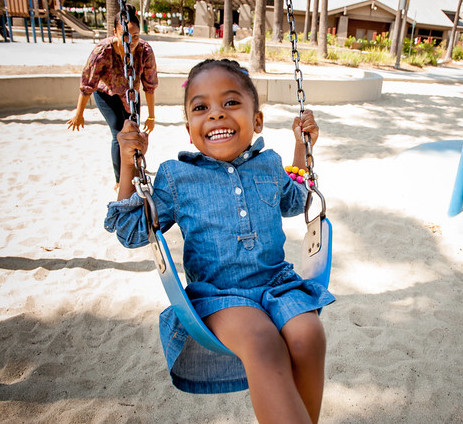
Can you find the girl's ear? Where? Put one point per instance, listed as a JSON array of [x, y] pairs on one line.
[[258, 122], [187, 126]]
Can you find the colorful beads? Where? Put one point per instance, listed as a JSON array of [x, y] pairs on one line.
[[295, 173]]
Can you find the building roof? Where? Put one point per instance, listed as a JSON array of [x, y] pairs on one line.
[[424, 12]]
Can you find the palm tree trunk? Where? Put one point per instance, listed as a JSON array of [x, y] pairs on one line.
[[112, 8], [314, 30], [403, 31], [305, 36], [323, 44], [278, 21], [448, 55], [258, 38], [227, 42], [396, 33]]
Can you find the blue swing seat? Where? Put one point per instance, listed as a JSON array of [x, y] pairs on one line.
[[316, 267], [456, 202]]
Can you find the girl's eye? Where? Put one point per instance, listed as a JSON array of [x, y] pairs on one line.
[[232, 103], [198, 108]]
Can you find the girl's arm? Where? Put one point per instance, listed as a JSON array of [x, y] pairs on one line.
[[130, 139], [307, 124], [78, 120], [149, 123]]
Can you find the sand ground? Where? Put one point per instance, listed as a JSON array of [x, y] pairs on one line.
[[79, 340]]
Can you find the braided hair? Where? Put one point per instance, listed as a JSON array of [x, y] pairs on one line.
[[231, 66]]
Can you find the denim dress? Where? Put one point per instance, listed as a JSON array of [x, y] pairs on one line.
[[230, 216]]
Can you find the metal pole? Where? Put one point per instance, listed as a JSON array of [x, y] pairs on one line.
[[8, 18], [48, 21], [4, 28], [31, 14], [63, 31], [412, 38], [40, 19]]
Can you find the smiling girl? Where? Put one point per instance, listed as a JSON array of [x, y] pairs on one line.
[[228, 200]]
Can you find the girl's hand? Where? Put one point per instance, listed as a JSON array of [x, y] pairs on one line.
[[76, 122], [149, 126], [131, 139], [307, 124]]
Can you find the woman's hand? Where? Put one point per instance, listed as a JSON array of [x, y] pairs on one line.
[[149, 125], [307, 124], [130, 140], [76, 122]]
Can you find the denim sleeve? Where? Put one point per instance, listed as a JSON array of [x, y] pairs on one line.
[[127, 217], [293, 195]]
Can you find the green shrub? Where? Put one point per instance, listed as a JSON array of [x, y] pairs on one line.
[[331, 39], [309, 57], [377, 56], [332, 55], [244, 48], [418, 60], [457, 53], [349, 58], [277, 54], [349, 41]]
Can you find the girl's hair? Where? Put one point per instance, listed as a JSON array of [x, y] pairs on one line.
[[231, 66], [132, 12]]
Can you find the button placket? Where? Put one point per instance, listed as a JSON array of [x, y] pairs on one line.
[[242, 208]]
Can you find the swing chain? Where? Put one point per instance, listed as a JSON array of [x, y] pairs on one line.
[[311, 179], [133, 99]]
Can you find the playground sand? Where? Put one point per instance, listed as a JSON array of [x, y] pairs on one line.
[[79, 340]]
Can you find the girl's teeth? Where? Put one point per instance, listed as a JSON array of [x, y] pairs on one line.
[[217, 134]]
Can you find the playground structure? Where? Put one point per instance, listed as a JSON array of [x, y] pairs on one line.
[[41, 12]]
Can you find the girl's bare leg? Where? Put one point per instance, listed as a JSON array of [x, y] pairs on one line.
[[252, 336], [306, 342]]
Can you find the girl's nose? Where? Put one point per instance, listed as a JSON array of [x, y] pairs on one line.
[[216, 113]]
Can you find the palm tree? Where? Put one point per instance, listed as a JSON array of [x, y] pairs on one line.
[[323, 45], [448, 55], [258, 38], [278, 21], [314, 30], [227, 42], [305, 36], [396, 32], [112, 8]]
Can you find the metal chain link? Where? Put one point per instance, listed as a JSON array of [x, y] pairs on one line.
[[132, 95], [311, 179], [295, 56]]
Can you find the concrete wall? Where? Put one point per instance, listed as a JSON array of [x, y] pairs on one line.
[[62, 91]]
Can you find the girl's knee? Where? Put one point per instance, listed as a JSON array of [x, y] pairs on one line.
[[306, 338], [264, 343]]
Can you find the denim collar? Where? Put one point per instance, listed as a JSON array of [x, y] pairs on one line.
[[199, 158]]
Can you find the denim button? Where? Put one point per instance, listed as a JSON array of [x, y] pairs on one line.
[[246, 155], [231, 170], [237, 191], [243, 213]]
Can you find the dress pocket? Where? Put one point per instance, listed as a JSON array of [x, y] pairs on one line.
[[267, 187]]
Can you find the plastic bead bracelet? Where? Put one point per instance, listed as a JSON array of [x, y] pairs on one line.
[[295, 173]]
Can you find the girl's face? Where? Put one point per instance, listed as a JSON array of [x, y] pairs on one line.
[[220, 114], [134, 32]]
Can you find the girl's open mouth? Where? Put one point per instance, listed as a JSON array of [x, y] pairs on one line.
[[219, 135]]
